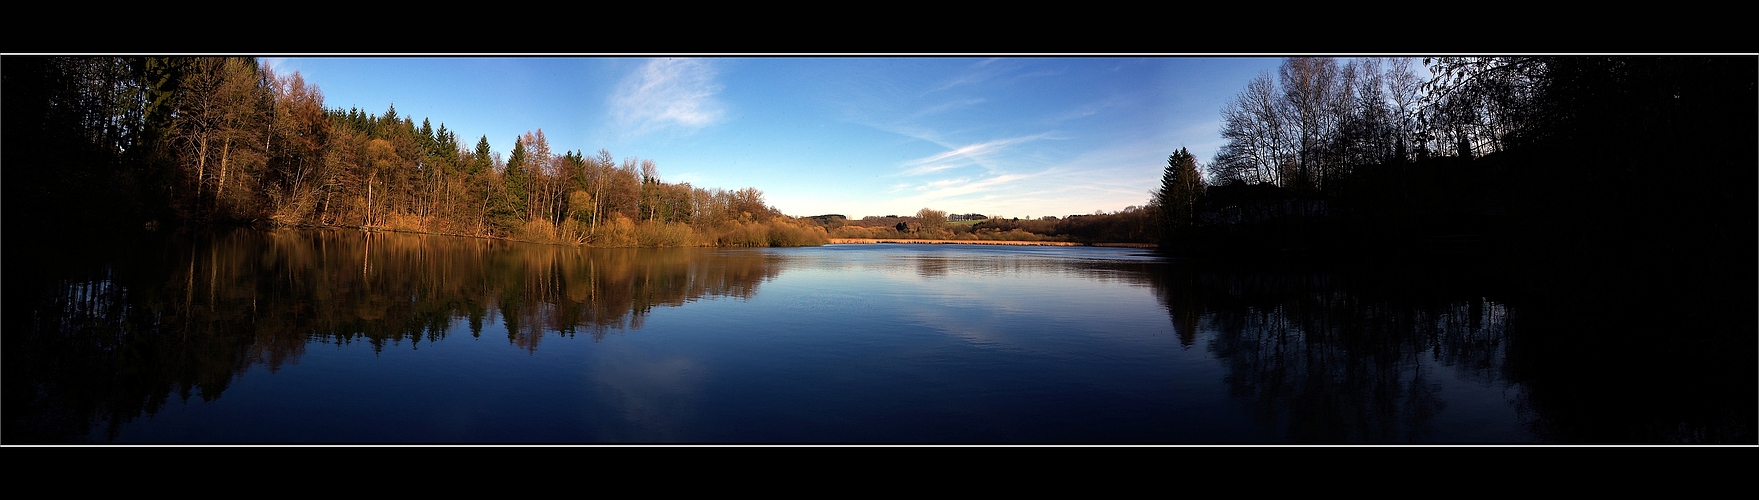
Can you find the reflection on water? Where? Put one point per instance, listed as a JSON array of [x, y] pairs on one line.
[[344, 336], [1325, 358], [188, 314]]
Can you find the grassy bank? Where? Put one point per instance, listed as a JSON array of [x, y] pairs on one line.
[[861, 241]]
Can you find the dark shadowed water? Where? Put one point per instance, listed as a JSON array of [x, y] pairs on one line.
[[339, 336]]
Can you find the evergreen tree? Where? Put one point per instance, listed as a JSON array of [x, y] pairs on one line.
[[1180, 187], [510, 212], [483, 158], [517, 177], [425, 138], [390, 120]]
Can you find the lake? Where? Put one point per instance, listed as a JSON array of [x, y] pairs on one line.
[[340, 337]]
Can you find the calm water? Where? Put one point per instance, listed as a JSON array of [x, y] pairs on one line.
[[345, 337]]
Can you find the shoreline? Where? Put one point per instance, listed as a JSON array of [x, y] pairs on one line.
[[869, 241]]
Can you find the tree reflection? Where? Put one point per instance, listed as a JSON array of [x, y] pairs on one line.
[[1350, 353], [1328, 356], [101, 333], [109, 341]]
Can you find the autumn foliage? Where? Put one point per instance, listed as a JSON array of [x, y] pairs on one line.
[[145, 140]]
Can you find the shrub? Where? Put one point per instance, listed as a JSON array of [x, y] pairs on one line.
[[784, 233], [537, 231], [665, 234], [619, 231]]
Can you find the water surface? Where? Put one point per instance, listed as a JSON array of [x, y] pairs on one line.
[[341, 336]]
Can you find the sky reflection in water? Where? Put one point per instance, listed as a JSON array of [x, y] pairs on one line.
[[340, 337]]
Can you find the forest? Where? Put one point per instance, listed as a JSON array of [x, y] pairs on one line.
[[144, 141]]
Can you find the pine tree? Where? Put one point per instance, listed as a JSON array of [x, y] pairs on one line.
[[510, 214], [482, 163], [1180, 187]]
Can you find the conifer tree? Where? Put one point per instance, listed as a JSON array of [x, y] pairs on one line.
[[482, 161], [1180, 187], [510, 211], [517, 179]]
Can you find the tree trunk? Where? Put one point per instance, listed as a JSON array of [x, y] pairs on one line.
[[597, 204], [201, 164], [368, 220], [225, 150]]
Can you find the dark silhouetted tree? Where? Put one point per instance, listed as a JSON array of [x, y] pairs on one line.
[[1181, 185]]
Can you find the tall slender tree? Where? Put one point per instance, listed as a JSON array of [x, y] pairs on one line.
[[516, 182], [1181, 185]]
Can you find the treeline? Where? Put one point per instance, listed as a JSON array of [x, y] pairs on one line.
[[1364, 154], [142, 140], [1597, 183], [1135, 224]]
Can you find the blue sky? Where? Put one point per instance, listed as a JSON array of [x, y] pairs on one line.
[[859, 136]]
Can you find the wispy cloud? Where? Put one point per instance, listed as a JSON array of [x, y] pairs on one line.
[[997, 70], [970, 78], [979, 154], [1039, 74], [929, 169], [945, 190], [979, 72], [1096, 107], [943, 107], [944, 183], [666, 93]]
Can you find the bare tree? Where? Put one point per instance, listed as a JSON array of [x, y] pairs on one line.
[[1258, 134], [1403, 88], [933, 222], [1310, 92], [1474, 105], [541, 162]]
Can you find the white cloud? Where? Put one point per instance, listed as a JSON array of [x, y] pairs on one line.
[[980, 154], [947, 190], [666, 93], [927, 169]]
